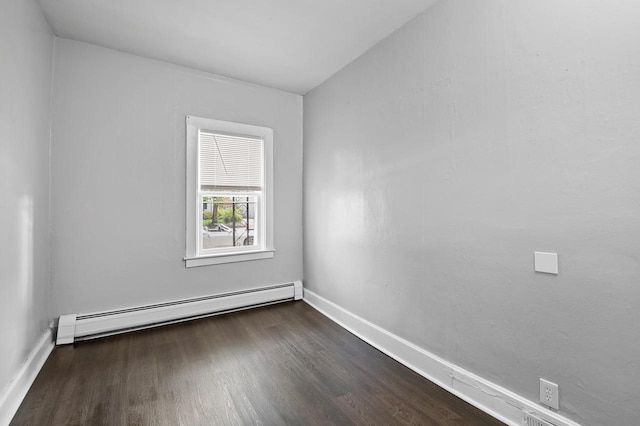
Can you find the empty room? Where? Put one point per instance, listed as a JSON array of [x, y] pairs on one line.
[[320, 212]]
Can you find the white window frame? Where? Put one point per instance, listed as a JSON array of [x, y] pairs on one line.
[[266, 250]]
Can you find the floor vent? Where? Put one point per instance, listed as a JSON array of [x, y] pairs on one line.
[[530, 419], [73, 327]]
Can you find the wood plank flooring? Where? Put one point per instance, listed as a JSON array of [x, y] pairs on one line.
[[284, 364]]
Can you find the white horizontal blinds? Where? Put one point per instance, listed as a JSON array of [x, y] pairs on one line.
[[230, 163]]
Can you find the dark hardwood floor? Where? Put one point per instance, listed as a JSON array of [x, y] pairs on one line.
[[282, 364]]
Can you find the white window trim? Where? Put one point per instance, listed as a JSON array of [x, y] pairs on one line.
[[193, 125]]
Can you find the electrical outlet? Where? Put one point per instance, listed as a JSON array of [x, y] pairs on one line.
[[549, 395]]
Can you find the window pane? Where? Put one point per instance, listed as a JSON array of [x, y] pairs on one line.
[[229, 221]]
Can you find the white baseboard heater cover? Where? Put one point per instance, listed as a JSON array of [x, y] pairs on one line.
[[72, 327]]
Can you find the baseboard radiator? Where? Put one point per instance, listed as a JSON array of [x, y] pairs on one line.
[[74, 327]]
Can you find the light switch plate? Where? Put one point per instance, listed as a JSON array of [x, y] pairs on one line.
[[545, 262]]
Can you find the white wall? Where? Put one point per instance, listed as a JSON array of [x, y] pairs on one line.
[[26, 50], [437, 162], [118, 179]]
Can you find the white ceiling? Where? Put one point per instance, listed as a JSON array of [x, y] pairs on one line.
[[293, 45]]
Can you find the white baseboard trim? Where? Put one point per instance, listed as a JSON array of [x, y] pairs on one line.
[[13, 395], [493, 399]]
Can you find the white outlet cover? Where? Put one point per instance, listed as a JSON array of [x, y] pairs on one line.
[[545, 262], [549, 394]]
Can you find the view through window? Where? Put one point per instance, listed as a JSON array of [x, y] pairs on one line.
[[228, 221]]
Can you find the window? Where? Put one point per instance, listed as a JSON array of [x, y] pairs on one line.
[[229, 192]]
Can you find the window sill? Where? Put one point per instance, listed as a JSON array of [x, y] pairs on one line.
[[217, 259]]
